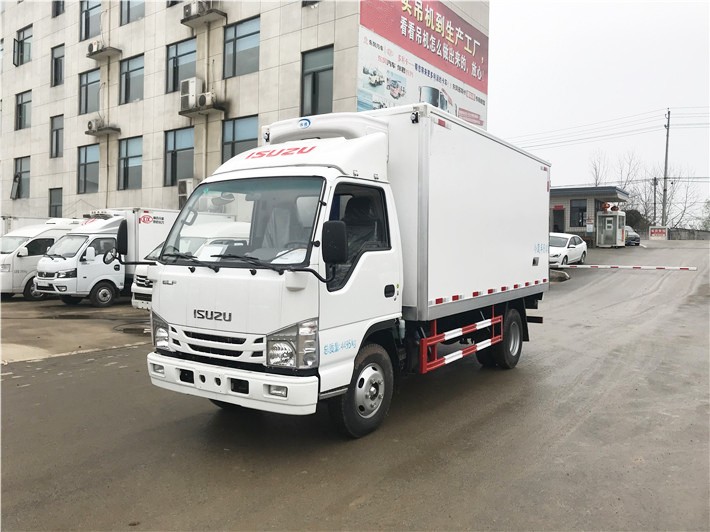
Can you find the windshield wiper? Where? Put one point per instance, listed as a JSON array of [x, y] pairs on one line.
[[52, 256], [192, 259], [250, 260]]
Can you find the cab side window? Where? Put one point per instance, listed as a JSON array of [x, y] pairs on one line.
[[102, 245], [363, 211], [39, 246]]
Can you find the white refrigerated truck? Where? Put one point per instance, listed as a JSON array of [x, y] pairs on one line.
[[21, 250], [374, 238], [74, 269]]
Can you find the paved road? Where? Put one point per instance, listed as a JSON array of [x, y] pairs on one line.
[[603, 425]]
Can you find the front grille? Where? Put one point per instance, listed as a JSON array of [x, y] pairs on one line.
[[45, 275], [219, 345], [215, 338], [142, 297], [48, 288], [143, 281]]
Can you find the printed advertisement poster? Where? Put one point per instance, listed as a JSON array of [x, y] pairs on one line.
[[420, 51]]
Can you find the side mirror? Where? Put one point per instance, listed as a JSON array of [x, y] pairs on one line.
[[110, 256], [22, 252], [571, 246], [122, 238], [335, 242], [90, 254]]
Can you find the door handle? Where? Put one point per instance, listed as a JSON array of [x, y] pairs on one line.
[[389, 290]]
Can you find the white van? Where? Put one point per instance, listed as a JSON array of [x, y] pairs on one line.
[[20, 251]]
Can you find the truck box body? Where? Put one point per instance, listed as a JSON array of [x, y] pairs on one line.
[[372, 237], [458, 191]]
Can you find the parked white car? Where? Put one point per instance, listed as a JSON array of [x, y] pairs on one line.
[[566, 249]]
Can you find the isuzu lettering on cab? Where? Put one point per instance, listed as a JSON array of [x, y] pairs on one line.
[[373, 238]]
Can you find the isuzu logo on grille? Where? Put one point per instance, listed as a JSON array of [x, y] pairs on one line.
[[215, 315]]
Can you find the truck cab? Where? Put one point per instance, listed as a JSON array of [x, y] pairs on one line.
[[21, 251]]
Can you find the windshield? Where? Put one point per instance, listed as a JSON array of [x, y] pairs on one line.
[[558, 242], [8, 244], [247, 223], [67, 246]]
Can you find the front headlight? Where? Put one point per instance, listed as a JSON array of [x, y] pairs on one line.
[[66, 274], [160, 330], [294, 347], [4, 267]]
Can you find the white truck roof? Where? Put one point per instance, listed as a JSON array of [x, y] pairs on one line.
[[54, 223]]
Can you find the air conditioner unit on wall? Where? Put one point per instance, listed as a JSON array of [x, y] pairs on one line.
[[95, 124], [189, 89], [195, 7], [95, 46], [184, 188], [206, 98]]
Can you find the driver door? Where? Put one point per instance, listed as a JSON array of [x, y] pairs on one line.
[[91, 270]]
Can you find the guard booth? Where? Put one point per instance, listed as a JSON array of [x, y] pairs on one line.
[[610, 227]]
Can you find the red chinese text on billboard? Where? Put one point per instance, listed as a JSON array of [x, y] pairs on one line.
[[434, 33]]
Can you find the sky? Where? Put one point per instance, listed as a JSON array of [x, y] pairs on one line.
[[571, 80]]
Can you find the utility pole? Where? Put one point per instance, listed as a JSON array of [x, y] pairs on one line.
[[664, 210], [655, 186]]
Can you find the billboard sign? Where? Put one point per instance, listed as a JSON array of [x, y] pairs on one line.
[[421, 51]]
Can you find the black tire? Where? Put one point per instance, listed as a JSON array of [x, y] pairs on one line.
[[70, 300], [6, 297], [229, 407], [507, 352], [30, 294], [364, 406], [583, 257], [564, 261], [102, 294], [485, 358]]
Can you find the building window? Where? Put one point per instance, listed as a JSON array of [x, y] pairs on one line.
[[21, 180], [172, 3], [239, 135], [89, 83], [132, 79], [88, 174], [578, 213], [181, 63], [23, 110], [179, 155], [317, 82], [130, 163], [55, 202], [22, 53], [241, 48], [132, 10], [90, 19], [57, 65], [57, 7], [56, 135]]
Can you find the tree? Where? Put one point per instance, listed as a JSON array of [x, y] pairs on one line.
[[599, 167], [704, 223]]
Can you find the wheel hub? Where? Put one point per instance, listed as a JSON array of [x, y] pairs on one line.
[[370, 390]]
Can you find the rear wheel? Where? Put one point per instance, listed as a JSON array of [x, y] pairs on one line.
[[364, 406], [30, 293], [485, 358], [507, 352], [6, 297], [103, 294], [70, 300]]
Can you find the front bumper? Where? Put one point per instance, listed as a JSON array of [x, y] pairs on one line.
[[54, 285], [240, 387]]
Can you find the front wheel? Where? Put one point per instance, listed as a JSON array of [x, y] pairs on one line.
[[507, 351], [30, 293], [102, 295], [583, 257], [70, 300], [564, 260], [364, 406]]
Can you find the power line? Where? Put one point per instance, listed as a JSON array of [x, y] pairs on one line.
[[597, 138]]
